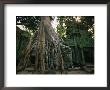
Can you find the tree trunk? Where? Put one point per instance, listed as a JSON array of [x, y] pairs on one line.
[[83, 59], [40, 57]]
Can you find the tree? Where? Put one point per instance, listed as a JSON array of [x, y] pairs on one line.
[[44, 37]]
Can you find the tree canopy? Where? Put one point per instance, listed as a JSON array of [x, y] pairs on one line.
[[30, 22], [81, 26]]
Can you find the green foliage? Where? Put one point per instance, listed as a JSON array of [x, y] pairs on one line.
[[22, 39], [78, 30], [86, 40], [30, 22]]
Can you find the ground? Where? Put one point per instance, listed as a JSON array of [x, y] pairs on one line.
[[76, 70]]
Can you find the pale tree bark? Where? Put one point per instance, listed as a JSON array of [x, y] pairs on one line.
[[46, 31], [40, 55]]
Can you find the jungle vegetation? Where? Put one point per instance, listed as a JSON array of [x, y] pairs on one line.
[[66, 49]]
